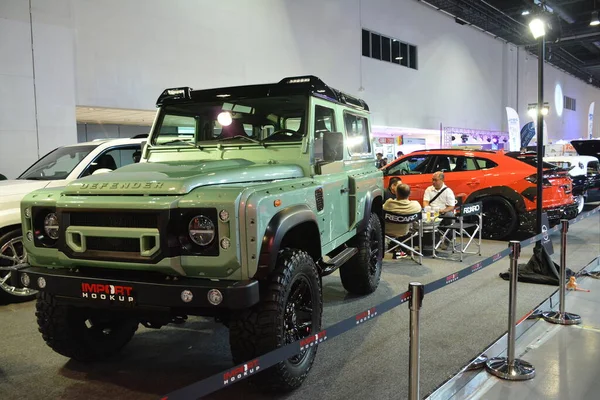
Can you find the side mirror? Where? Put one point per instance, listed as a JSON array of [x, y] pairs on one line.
[[333, 146], [101, 171]]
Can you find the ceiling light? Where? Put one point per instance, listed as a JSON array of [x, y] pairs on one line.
[[594, 21], [537, 28], [526, 12], [398, 58]]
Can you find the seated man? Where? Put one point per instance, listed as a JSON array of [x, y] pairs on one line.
[[439, 195], [401, 206]]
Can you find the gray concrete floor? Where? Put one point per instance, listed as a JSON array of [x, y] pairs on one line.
[[458, 322]]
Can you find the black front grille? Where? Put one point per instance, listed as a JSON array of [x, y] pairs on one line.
[[114, 219], [113, 244]]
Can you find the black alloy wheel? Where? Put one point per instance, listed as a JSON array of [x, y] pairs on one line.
[[499, 218]]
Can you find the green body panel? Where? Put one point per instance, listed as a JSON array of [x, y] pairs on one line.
[[251, 182]]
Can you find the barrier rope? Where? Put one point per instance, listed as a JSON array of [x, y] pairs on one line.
[[249, 368]]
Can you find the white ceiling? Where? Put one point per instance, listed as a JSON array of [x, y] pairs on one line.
[[117, 116]]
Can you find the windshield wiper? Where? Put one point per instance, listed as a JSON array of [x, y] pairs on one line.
[[241, 137]]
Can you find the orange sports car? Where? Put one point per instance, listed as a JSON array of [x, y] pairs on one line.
[[505, 184]]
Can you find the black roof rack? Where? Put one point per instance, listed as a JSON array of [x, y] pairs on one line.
[[307, 85]]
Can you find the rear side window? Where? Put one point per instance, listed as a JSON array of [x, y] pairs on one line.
[[484, 163], [593, 168], [461, 163]]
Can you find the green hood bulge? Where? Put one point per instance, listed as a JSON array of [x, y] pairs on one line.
[[177, 178]]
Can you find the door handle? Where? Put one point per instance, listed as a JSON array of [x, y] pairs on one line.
[[344, 190]]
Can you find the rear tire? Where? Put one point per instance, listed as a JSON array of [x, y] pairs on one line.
[[81, 333], [499, 218], [361, 274], [290, 309]]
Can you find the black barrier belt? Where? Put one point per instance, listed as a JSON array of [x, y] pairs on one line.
[[443, 282], [249, 368], [252, 367]]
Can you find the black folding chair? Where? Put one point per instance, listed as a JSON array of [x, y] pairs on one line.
[[403, 241], [460, 229]]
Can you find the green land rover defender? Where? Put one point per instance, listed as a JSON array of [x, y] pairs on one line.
[[244, 199]]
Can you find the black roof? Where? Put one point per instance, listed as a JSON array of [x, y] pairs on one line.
[[300, 85]]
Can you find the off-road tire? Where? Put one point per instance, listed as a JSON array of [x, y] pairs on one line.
[[64, 329], [361, 274], [261, 329], [499, 218], [10, 294]]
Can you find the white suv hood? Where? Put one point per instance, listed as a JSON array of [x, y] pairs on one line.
[[19, 187]]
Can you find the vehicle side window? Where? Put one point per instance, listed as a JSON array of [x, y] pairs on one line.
[[461, 163], [115, 158], [324, 124], [409, 166], [484, 163], [357, 132], [593, 168], [442, 163]]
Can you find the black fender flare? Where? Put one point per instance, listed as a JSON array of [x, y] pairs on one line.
[[371, 197], [279, 225], [503, 191]]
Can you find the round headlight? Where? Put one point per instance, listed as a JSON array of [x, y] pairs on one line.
[[51, 226], [201, 230]]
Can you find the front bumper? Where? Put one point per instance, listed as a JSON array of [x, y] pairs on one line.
[[110, 289], [527, 220]]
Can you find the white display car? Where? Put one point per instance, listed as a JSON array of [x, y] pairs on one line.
[[56, 168], [584, 171]]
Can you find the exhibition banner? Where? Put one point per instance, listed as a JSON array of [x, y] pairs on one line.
[[527, 133], [591, 120], [514, 136]]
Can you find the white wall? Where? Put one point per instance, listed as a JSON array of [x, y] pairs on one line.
[[123, 53], [37, 88]]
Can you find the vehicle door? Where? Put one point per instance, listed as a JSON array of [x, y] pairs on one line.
[[412, 170], [114, 157], [331, 174], [461, 174]]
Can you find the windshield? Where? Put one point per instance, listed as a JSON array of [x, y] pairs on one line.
[[57, 164], [258, 120]]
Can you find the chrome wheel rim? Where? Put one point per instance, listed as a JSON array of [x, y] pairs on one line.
[[13, 253], [580, 203]]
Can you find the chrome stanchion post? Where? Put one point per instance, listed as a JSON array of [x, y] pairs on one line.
[[509, 367], [562, 317], [416, 290]]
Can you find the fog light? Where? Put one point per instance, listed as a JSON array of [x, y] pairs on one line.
[[28, 212], [225, 243], [187, 296], [224, 215], [41, 282], [25, 279], [215, 297], [30, 236]]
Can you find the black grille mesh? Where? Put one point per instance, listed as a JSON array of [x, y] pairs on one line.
[[113, 244], [114, 219]]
